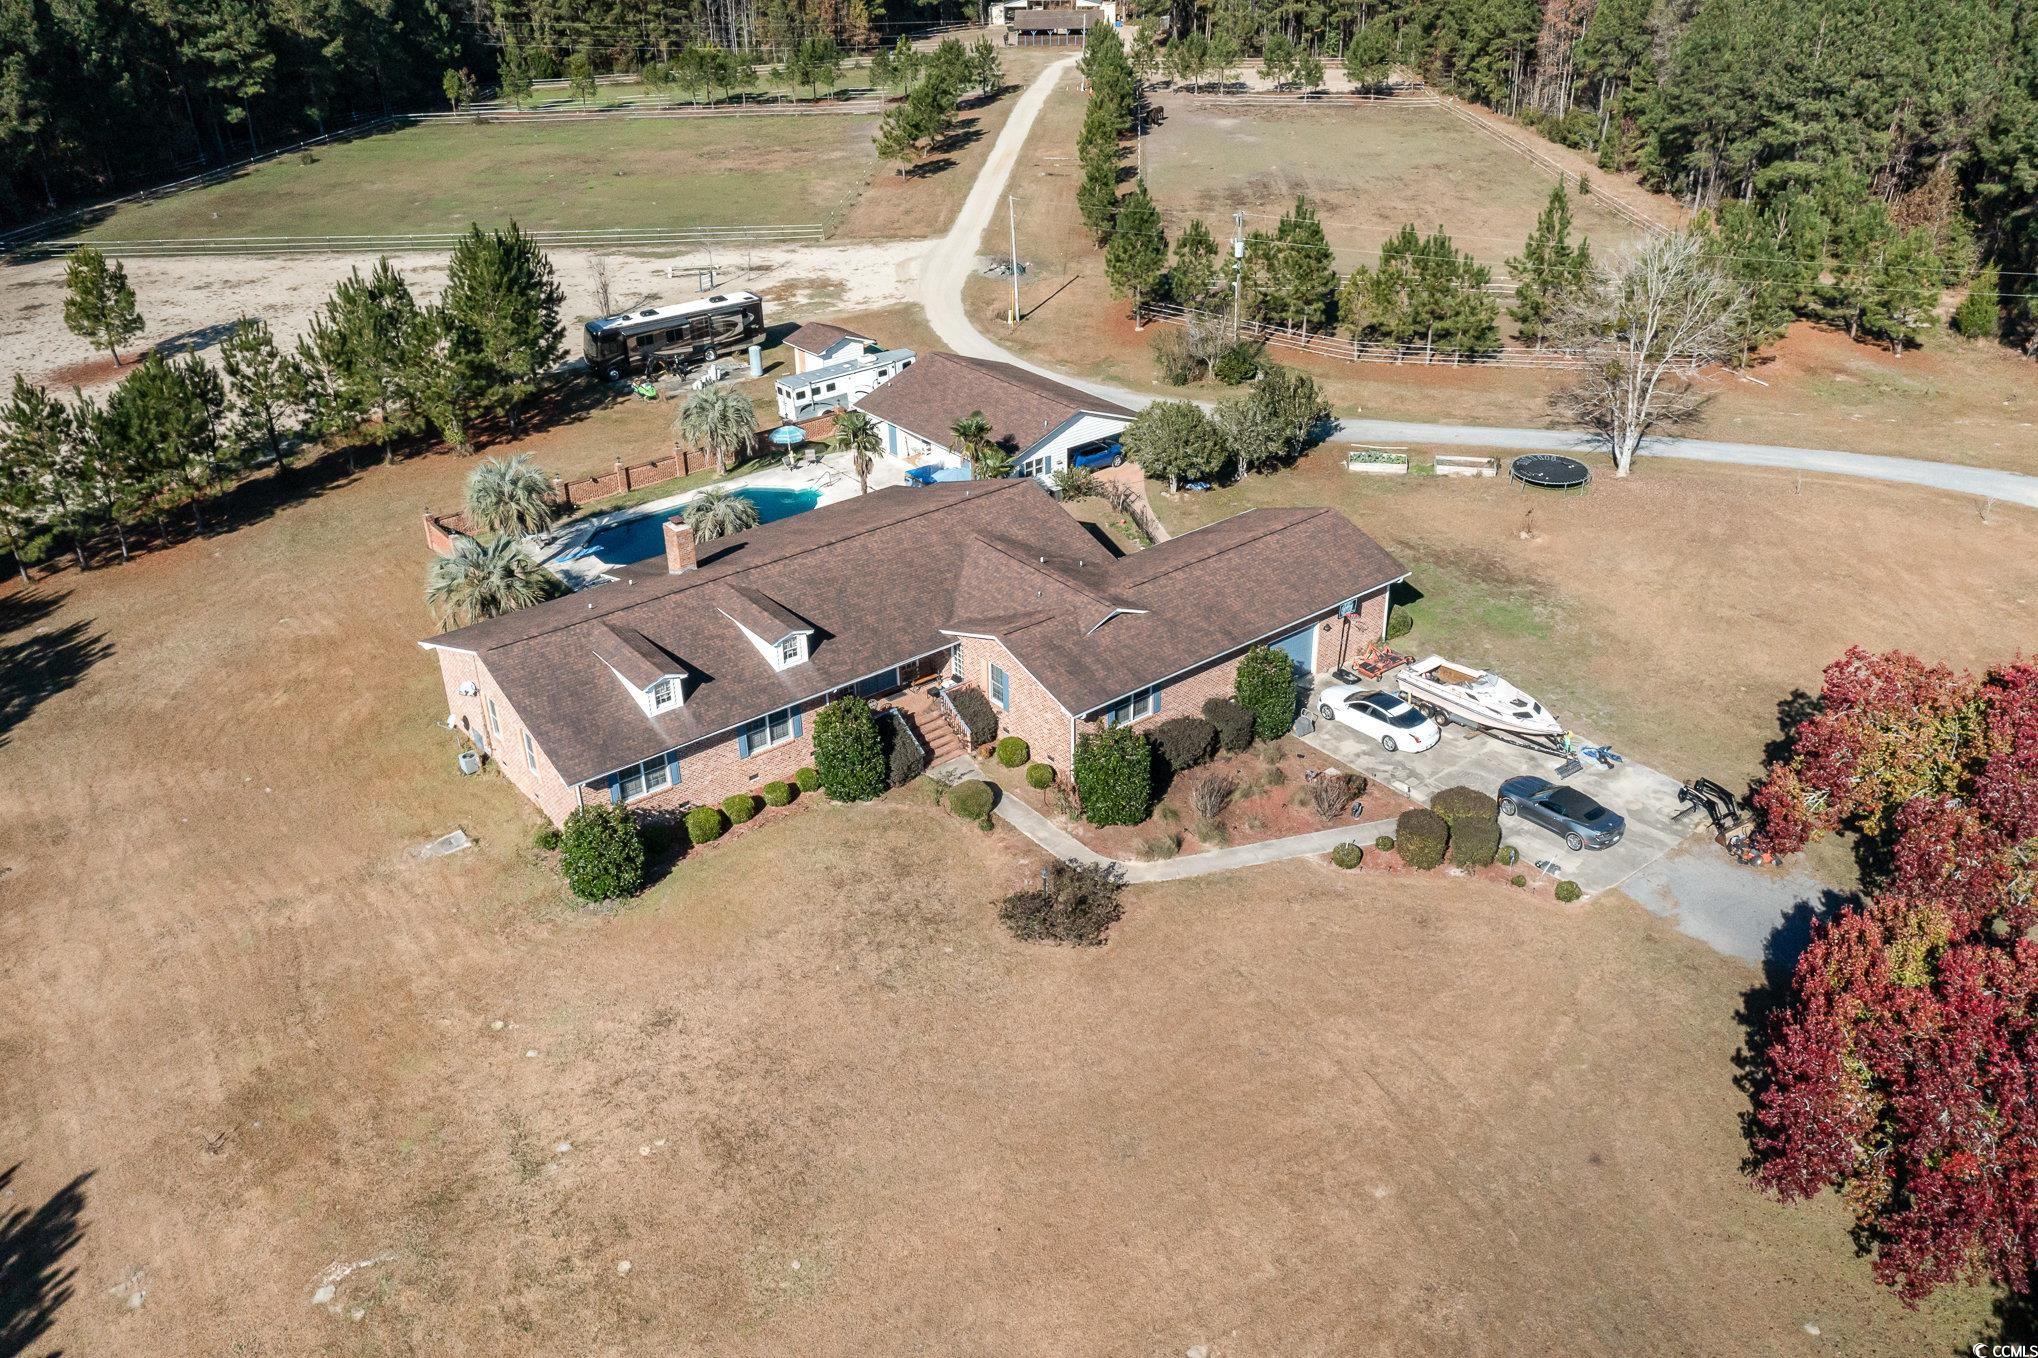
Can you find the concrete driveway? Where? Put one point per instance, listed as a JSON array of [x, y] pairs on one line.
[[1645, 797]]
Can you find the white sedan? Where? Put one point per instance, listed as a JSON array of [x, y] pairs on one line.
[[1385, 717]]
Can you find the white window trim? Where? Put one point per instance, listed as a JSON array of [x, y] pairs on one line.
[[1140, 705], [991, 688], [530, 752], [765, 721], [494, 719], [672, 698], [665, 779]]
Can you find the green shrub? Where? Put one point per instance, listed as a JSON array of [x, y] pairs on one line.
[[601, 853], [1347, 855], [1234, 724], [849, 753], [704, 824], [1114, 776], [1568, 891], [1474, 843], [1040, 777], [1078, 904], [808, 779], [778, 793], [1399, 624], [1980, 314], [1420, 835], [1013, 752], [1239, 363], [972, 800], [546, 840], [1266, 688], [1385, 843], [1182, 743], [1517, 880], [1508, 855], [1174, 356], [739, 807], [904, 759], [1457, 804], [979, 718]]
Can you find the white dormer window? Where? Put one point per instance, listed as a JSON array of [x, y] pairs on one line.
[[792, 650], [664, 694]]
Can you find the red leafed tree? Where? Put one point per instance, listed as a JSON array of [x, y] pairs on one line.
[[1902, 1070]]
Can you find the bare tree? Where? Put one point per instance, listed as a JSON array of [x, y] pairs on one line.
[[604, 287], [1650, 320]]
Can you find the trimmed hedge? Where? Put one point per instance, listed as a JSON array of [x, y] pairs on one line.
[[1347, 855], [1234, 724], [1568, 891], [778, 793], [904, 759], [704, 824], [601, 853], [1385, 843], [1508, 855], [979, 718], [1040, 777], [1420, 836], [1517, 880], [807, 779], [1013, 752], [972, 800], [1183, 742], [1461, 803], [739, 807], [849, 753], [1114, 776], [1474, 843], [1266, 688]]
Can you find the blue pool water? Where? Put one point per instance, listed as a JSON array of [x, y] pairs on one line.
[[643, 535]]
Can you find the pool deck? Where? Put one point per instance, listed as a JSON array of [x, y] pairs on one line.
[[831, 476]]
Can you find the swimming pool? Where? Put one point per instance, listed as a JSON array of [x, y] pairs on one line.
[[643, 535]]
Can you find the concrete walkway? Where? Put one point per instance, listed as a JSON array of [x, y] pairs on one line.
[[953, 258], [1064, 845]]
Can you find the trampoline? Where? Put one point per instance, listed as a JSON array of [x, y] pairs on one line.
[[1550, 471]]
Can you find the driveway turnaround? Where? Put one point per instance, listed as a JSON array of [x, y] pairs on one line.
[[953, 258], [1645, 797]]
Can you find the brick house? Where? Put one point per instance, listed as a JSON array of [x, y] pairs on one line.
[[1039, 421], [694, 675]]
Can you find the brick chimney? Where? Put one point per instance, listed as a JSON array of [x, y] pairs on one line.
[[679, 548]]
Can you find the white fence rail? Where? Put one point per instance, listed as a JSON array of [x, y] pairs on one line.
[[620, 238]]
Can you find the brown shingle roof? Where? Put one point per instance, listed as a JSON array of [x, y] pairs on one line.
[[885, 577], [1023, 407], [1053, 19], [815, 337]]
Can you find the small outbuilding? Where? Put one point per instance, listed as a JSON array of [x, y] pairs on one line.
[[818, 344], [1052, 25]]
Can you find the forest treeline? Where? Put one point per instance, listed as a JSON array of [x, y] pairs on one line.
[[101, 96], [1870, 128]]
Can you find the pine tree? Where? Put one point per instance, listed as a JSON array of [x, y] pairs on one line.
[[264, 389], [580, 76], [1369, 55], [38, 470], [1193, 274], [502, 302], [1097, 196], [1979, 315], [99, 305], [1137, 258], [1304, 280], [1549, 271]]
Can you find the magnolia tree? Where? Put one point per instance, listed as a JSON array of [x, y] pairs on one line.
[[1649, 322], [1900, 1069]]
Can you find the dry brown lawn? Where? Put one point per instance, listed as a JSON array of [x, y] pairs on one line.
[[1949, 401], [806, 1087]]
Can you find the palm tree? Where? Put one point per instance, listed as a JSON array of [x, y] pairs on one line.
[[718, 419], [481, 579], [973, 432], [510, 496], [856, 434], [993, 463], [714, 513]]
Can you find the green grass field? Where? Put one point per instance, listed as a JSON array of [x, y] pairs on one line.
[[440, 176], [1366, 171]]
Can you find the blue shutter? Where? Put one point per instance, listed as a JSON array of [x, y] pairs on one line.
[[799, 728], [743, 743], [672, 766], [615, 789]]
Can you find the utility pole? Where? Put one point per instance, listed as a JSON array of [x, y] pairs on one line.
[[1237, 269], [1012, 225]]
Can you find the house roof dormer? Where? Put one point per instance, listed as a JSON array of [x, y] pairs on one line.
[[655, 679], [780, 635]]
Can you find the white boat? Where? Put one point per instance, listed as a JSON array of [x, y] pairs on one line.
[[1474, 698]]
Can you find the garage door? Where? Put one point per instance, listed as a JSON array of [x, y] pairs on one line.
[[1300, 648]]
